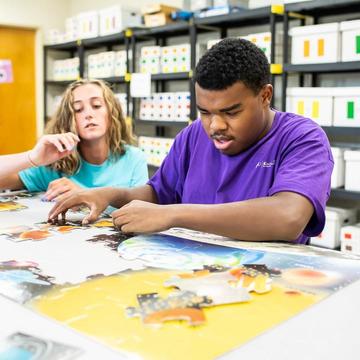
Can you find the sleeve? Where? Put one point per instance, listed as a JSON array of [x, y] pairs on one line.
[[168, 180], [140, 173], [305, 168], [38, 179]]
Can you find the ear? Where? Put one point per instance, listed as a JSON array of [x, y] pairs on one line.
[[266, 94]]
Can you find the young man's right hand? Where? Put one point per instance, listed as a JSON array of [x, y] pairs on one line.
[[51, 148], [94, 199]]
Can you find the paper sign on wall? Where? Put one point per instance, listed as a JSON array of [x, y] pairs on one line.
[[6, 73], [140, 85]]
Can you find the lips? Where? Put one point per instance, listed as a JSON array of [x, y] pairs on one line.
[[222, 142], [90, 125]]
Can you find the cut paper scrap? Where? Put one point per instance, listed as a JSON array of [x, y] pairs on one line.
[[180, 305], [203, 288], [11, 206], [72, 257], [103, 223], [225, 287]]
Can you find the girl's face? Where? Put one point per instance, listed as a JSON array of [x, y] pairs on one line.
[[91, 113]]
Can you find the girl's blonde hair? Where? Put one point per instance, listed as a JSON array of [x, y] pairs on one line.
[[63, 121]]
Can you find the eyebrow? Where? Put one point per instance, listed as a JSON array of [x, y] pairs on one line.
[[92, 98], [232, 107]]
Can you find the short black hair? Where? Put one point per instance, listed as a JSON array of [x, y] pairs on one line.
[[232, 60]]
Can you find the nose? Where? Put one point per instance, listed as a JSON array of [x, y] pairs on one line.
[[88, 112], [217, 123]]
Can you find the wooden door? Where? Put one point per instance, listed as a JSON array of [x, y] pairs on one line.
[[17, 99]]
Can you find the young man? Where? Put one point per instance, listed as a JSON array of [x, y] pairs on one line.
[[244, 170]]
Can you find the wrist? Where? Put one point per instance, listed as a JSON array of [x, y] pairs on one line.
[[30, 159], [174, 214]]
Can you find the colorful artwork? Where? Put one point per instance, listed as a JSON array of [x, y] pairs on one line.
[[21, 346], [10, 205], [147, 294]]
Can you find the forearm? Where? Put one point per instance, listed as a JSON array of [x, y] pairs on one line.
[[258, 219], [14, 163], [118, 197], [10, 165]]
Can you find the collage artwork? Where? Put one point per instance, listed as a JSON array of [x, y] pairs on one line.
[[146, 294]]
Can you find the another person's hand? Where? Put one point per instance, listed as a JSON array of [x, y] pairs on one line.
[[59, 187], [142, 217], [51, 148], [93, 199]]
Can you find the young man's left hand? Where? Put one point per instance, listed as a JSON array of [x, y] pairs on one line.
[[142, 217]]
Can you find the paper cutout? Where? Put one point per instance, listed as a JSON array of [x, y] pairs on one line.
[[11, 206], [6, 71], [20, 346], [180, 305]]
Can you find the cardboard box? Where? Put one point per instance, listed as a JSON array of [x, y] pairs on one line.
[[157, 8], [158, 19]]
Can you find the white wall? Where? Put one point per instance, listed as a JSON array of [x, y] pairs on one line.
[[40, 15]]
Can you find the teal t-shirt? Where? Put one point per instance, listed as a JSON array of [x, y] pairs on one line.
[[129, 170]]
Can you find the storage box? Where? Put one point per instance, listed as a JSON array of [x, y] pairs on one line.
[[243, 4], [196, 5], [338, 174], [347, 106], [71, 29], [150, 59], [350, 239], [352, 170], [315, 44], [88, 24], [155, 149], [157, 14], [116, 18], [335, 219], [350, 40], [314, 103]]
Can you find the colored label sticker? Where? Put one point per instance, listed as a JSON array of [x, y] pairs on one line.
[[306, 48], [350, 109], [321, 47]]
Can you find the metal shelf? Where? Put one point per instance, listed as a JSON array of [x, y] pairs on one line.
[[324, 67], [175, 29], [345, 194], [162, 123], [342, 130], [102, 41], [114, 79], [171, 76], [238, 18], [70, 46], [60, 83], [323, 7]]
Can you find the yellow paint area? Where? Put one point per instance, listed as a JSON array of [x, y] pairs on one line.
[[97, 308]]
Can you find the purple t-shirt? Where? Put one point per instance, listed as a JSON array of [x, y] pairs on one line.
[[293, 156]]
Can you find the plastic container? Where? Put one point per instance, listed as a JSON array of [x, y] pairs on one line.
[[350, 239], [350, 40], [315, 44], [347, 106], [352, 170], [338, 174], [314, 103], [336, 218]]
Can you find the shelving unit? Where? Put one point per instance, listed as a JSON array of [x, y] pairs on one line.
[[318, 9], [78, 48], [133, 37]]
